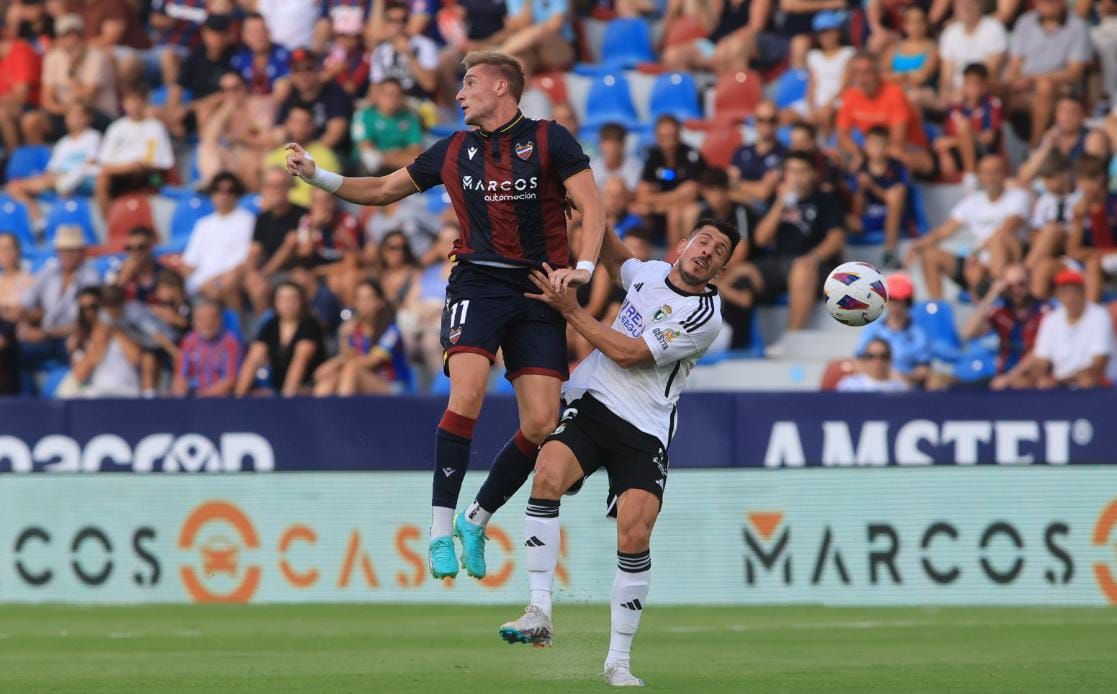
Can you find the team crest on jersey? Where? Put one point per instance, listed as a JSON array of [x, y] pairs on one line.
[[661, 314], [524, 150], [665, 336], [455, 335]]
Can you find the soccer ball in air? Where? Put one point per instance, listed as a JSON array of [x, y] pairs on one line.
[[855, 293]]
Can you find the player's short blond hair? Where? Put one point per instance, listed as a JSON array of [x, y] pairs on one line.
[[508, 67]]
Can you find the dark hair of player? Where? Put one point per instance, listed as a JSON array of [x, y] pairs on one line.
[[727, 230], [506, 66]]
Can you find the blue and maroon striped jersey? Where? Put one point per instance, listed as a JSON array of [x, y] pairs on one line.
[[507, 189]]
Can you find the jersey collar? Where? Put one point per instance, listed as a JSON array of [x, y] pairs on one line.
[[504, 128], [711, 290]]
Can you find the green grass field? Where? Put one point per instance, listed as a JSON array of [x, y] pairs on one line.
[[371, 648]]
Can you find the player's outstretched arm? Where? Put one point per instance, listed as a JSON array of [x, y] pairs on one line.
[[627, 352], [368, 190], [614, 254]]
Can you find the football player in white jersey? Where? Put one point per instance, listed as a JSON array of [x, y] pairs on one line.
[[621, 415]]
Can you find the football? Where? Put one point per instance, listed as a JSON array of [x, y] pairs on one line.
[[855, 293]]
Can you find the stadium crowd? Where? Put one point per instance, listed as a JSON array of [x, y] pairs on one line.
[[822, 116]]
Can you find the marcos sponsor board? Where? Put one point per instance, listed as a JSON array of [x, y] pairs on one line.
[[855, 537]]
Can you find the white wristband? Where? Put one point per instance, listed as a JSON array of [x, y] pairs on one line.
[[586, 265], [326, 180]]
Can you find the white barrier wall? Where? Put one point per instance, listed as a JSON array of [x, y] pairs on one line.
[[865, 536]]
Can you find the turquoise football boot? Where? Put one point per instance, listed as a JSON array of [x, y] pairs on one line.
[[442, 561], [473, 545]]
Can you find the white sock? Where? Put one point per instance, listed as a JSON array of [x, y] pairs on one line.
[[477, 515], [627, 601], [442, 521], [541, 542]]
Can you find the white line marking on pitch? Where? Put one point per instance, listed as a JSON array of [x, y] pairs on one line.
[[871, 624]]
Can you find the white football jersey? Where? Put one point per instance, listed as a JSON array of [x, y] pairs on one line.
[[677, 326]]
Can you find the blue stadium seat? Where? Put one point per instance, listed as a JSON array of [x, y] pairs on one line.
[[449, 128], [250, 202], [27, 161], [159, 96], [626, 44], [609, 101], [15, 219], [72, 211], [975, 363], [790, 88], [868, 238], [937, 320], [187, 213], [52, 379], [437, 201], [177, 192], [231, 322], [675, 93], [104, 264], [440, 384]]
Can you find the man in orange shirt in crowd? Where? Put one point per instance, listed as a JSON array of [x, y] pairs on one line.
[[871, 101], [20, 69]]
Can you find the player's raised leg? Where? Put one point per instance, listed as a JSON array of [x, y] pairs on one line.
[[469, 375], [557, 470], [636, 514], [537, 397]]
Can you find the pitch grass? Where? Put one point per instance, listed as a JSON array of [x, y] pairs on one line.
[[455, 650]]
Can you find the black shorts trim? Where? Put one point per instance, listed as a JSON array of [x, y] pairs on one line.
[[599, 438]]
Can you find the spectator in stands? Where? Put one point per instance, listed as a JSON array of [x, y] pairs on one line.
[[238, 134], [14, 280], [736, 34], [420, 317], [804, 138], [33, 23], [411, 58], [1067, 135], [869, 101], [135, 148], [209, 355], [1010, 310], [175, 28], [803, 235], [669, 182], [50, 306], [613, 160], [880, 194], [539, 34], [754, 171], [328, 105], [913, 61], [910, 345], [874, 371], [265, 66], [716, 203], [75, 73], [291, 22], [972, 128], [298, 126], [339, 13], [20, 81], [615, 198], [885, 19], [1049, 51], [996, 216], [397, 267], [138, 272], [104, 360], [564, 115], [1053, 214], [201, 77], [371, 359], [408, 216], [1092, 240], [10, 379], [826, 70], [113, 25], [219, 243], [1104, 36], [346, 60], [290, 342], [324, 304], [71, 169], [1074, 347], [274, 242], [467, 25], [972, 39], [794, 21], [387, 135]]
